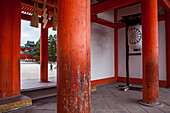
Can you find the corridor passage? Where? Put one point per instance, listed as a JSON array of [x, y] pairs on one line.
[[107, 99]]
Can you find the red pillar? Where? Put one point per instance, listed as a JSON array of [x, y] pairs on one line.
[[10, 19], [150, 51], [116, 44], [44, 55], [167, 21], [16, 47], [73, 57]]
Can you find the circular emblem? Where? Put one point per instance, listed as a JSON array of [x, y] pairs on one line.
[[134, 35]]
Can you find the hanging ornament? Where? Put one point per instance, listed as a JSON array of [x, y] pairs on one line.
[[55, 17], [44, 4], [135, 36], [45, 15], [34, 18]]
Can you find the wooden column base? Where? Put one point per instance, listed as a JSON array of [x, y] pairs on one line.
[[160, 105]]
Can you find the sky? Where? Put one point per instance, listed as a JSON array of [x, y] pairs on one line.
[[31, 33]]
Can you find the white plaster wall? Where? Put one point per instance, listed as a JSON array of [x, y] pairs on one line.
[[93, 2], [135, 62], [108, 15], [134, 9], [162, 51], [102, 49], [121, 52]]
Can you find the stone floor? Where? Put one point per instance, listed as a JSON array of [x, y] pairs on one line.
[[30, 84], [31, 70], [30, 76], [107, 99]]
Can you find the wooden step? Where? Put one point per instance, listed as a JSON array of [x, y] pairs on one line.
[[40, 93], [44, 92]]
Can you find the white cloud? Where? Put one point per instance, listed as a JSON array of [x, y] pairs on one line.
[[51, 32], [31, 33]]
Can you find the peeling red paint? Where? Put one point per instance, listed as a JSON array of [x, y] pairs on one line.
[[44, 54], [150, 51], [73, 49], [10, 48], [167, 24]]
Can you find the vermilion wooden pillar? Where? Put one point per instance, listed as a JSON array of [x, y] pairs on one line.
[[73, 57], [150, 51], [16, 47], [116, 44], [10, 21], [167, 21], [44, 55]]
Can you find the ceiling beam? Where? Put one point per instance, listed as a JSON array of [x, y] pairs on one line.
[[30, 3], [102, 22], [118, 25], [49, 24], [161, 17], [111, 4], [40, 3], [101, 0], [50, 6], [99, 21], [47, 4], [107, 23], [165, 4], [28, 17]]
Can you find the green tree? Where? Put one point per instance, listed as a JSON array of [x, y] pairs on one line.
[[52, 45], [52, 51], [37, 51]]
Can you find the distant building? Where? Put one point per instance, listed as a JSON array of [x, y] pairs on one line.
[[27, 52]]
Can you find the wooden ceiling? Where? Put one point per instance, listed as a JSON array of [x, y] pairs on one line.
[[27, 7], [101, 6]]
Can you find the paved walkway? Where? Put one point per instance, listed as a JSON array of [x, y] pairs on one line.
[[30, 76], [107, 99], [31, 70], [30, 84]]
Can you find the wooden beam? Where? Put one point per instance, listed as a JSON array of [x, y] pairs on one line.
[[165, 4], [114, 25], [101, 0], [116, 45], [107, 23], [49, 24], [167, 26], [111, 4], [121, 25], [93, 19], [28, 17], [31, 3], [103, 22], [40, 3], [47, 4], [161, 17], [99, 21]]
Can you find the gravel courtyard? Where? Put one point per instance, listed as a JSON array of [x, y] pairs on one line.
[[30, 76], [31, 70]]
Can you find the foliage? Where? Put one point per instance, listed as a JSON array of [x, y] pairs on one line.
[[52, 51], [52, 45], [37, 51]]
